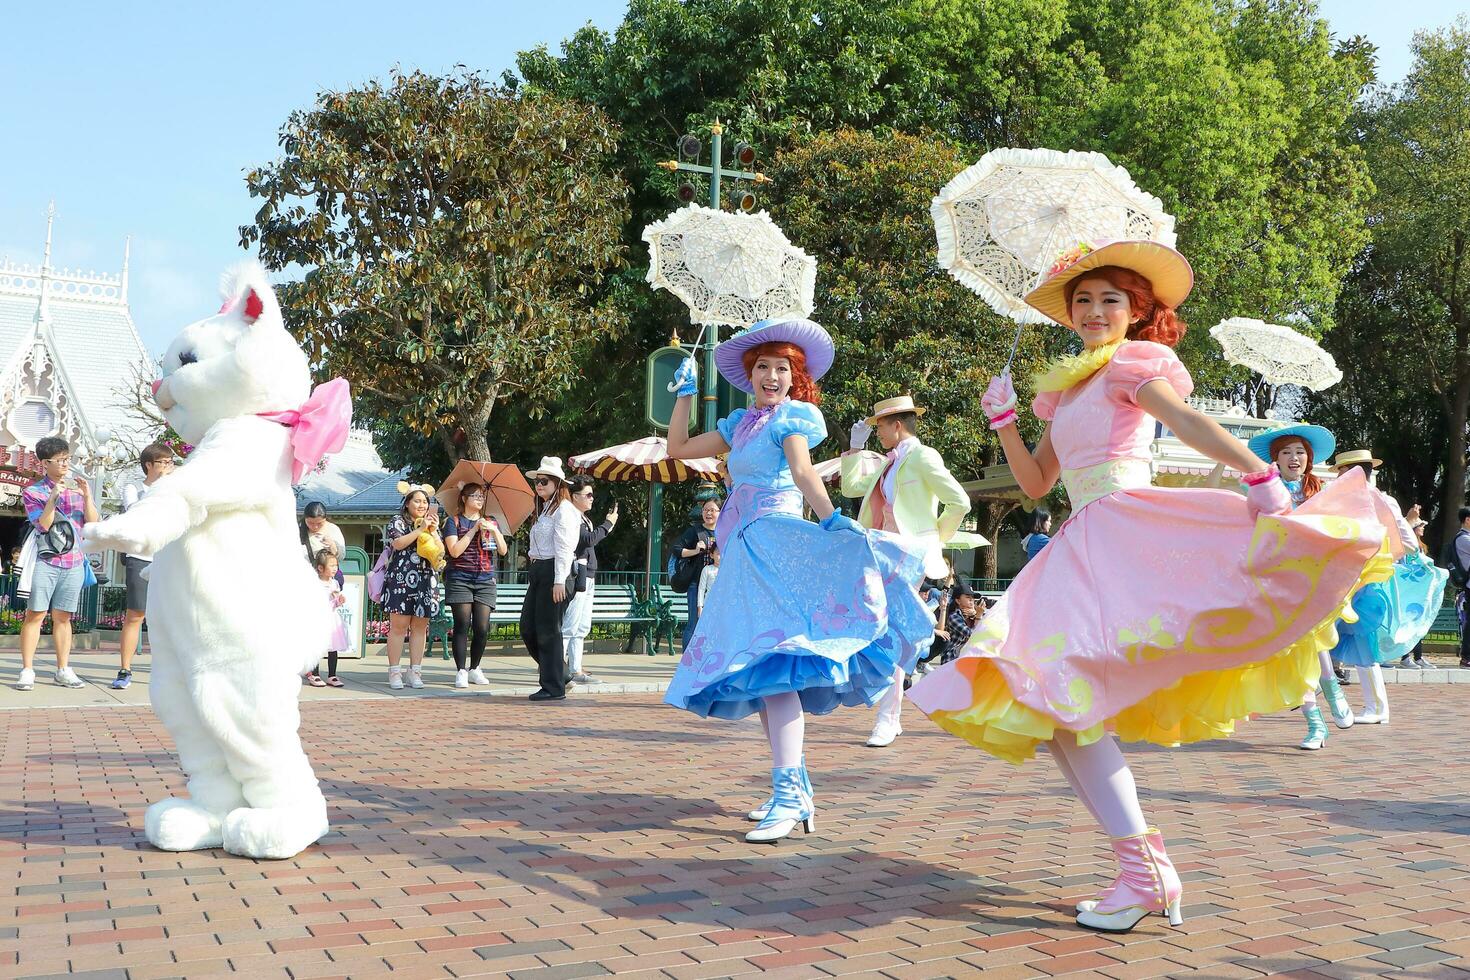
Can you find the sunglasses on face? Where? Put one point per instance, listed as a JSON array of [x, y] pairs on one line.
[[542, 481], [478, 495]]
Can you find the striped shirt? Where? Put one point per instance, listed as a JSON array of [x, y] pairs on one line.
[[69, 506]]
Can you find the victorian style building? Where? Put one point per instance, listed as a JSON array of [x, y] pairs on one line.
[[69, 353]]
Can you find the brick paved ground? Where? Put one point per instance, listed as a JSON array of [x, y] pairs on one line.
[[490, 837]]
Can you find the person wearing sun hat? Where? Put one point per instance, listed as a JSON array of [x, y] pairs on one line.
[[553, 546], [1389, 618], [1143, 618], [909, 492], [804, 618], [1295, 449]]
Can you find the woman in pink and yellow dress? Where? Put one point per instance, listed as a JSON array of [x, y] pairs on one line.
[[1158, 615]]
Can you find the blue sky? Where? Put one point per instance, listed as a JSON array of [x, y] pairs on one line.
[[139, 119]]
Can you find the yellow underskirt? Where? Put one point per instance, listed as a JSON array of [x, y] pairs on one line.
[[1199, 707]]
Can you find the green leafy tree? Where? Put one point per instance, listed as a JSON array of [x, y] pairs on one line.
[[1410, 298], [1237, 116], [455, 236]]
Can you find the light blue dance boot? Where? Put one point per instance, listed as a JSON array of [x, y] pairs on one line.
[[790, 805]]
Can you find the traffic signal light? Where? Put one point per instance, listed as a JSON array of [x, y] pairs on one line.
[[744, 154], [689, 146], [686, 192], [745, 200]]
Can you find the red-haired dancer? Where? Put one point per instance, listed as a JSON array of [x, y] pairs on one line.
[[803, 617], [1295, 449], [1159, 615]]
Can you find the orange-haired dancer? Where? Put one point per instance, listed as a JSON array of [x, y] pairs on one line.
[[803, 617], [1295, 449], [1154, 614]]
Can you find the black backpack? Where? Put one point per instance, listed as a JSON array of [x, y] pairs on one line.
[[1451, 560]]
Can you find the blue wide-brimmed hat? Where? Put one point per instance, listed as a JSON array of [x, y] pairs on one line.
[[1323, 442], [809, 335]]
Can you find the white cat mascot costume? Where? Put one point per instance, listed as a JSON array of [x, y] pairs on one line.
[[235, 613]]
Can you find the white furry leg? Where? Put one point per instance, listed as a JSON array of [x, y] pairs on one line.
[[174, 824], [251, 709]]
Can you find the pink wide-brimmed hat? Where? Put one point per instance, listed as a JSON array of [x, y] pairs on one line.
[[809, 335], [1166, 270]]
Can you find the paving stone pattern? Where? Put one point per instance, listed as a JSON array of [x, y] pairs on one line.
[[489, 837]]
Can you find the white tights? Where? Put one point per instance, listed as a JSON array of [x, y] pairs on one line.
[[785, 726], [1100, 777]]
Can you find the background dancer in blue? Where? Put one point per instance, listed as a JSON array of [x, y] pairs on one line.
[[803, 617]]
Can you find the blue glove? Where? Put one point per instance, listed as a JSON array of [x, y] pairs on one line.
[[686, 379], [838, 521]]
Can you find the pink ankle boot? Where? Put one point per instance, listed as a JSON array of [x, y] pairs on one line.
[[1146, 884]]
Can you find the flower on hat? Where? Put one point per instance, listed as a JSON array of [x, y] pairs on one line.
[[1069, 258]]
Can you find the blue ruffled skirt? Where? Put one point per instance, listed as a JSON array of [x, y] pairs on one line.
[[1393, 616], [827, 614]]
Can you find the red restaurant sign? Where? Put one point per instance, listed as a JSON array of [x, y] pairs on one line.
[[19, 467]]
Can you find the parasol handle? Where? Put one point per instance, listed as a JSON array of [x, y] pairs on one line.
[[1046, 248], [692, 351]]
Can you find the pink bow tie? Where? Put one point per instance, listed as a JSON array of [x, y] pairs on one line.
[[318, 427]]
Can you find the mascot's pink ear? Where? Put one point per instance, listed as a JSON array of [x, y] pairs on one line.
[[253, 307]]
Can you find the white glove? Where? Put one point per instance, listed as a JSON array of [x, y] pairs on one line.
[[999, 402], [861, 430]]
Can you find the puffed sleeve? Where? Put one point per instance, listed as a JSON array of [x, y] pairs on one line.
[[1140, 361], [728, 424], [1044, 405], [798, 419]]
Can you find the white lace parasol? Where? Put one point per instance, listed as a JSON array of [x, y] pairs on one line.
[[1002, 222], [730, 267], [1279, 354]]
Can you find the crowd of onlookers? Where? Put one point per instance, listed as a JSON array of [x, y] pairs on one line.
[[457, 559]]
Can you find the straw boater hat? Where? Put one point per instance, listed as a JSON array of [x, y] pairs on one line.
[[1354, 456], [893, 406], [814, 341], [1323, 442], [550, 466], [1165, 269]]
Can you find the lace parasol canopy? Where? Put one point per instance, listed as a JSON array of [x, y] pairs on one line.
[[1279, 354], [729, 267]]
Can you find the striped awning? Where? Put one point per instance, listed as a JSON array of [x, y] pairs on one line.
[[646, 460], [829, 469]]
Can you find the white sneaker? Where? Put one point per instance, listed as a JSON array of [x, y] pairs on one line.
[[477, 676], [395, 678], [66, 677], [461, 678], [883, 736], [26, 680], [415, 677]]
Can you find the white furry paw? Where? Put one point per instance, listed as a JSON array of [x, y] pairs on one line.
[[181, 825], [281, 832]]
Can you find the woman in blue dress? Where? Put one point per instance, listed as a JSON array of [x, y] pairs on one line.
[[804, 617], [1392, 616]]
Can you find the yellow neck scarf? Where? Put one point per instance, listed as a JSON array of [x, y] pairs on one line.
[[1066, 372]]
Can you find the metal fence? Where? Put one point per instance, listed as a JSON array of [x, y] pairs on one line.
[[13, 607]]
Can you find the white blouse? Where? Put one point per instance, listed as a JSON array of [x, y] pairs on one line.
[[554, 536]]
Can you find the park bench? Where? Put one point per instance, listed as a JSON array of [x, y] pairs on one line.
[[1446, 621], [611, 604]]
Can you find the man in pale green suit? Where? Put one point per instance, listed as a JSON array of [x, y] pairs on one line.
[[908, 492]]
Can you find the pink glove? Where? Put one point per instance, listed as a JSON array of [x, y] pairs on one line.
[[1265, 494], [999, 402]]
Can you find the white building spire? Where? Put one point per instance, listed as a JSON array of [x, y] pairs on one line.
[[127, 250], [41, 311]]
